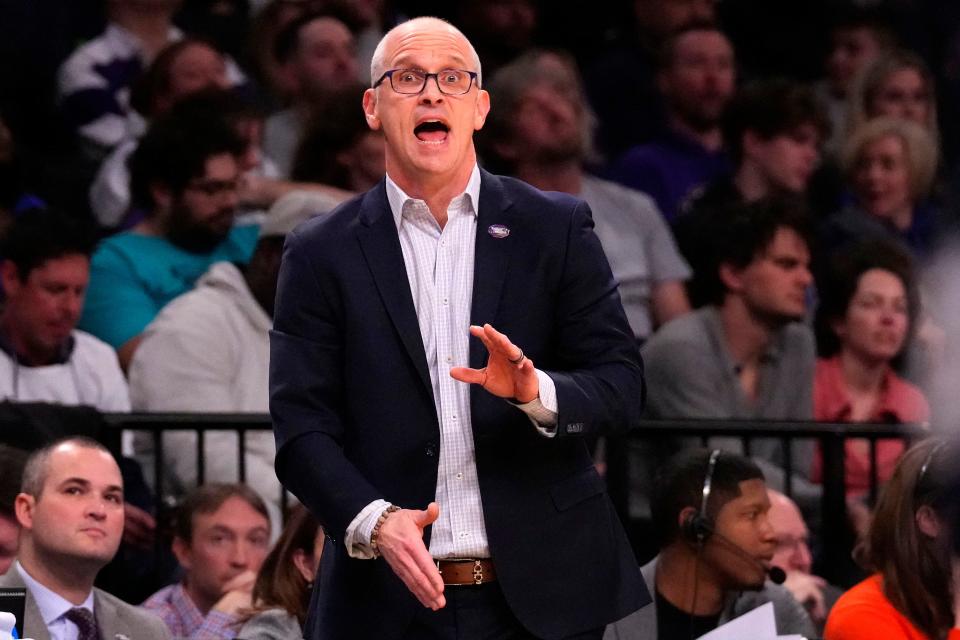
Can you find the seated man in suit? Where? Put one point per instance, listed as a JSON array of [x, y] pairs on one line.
[[70, 511], [710, 511]]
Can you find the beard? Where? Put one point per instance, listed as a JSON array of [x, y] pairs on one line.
[[560, 152], [196, 236], [700, 116]]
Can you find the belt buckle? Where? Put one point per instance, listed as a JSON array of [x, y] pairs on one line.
[[477, 572]]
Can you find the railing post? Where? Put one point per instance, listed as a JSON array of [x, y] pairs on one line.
[[787, 444], [201, 455], [833, 517], [241, 455], [161, 506]]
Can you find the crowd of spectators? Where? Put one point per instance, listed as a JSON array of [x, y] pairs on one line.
[[776, 210]]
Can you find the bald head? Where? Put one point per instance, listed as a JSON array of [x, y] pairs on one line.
[[395, 36], [71, 512], [793, 550]]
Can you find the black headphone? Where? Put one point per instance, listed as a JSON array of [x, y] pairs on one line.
[[698, 527]]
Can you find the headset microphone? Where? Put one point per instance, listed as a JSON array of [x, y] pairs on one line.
[[776, 574]]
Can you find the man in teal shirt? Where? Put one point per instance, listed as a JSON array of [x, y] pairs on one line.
[[185, 174]]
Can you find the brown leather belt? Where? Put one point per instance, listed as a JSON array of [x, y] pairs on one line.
[[467, 571]]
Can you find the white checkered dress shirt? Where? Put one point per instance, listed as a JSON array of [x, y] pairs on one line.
[[439, 264]]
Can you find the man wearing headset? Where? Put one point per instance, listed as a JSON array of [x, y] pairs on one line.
[[710, 512]]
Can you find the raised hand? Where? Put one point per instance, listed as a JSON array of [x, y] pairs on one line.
[[508, 374], [401, 544], [807, 589], [237, 594]]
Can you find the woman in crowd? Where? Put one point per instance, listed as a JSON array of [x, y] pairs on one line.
[[282, 590], [890, 164], [867, 309], [913, 592], [896, 85]]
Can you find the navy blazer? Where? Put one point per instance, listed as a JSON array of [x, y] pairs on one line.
[[355, 420]]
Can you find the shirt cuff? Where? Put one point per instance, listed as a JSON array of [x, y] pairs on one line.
[[357, 536], [542, 410]]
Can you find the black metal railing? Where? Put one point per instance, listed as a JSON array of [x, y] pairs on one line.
[[200, 423], [831, 437]]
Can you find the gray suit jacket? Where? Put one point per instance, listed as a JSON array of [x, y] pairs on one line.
[[117, 619], [790, 616], [272, 624]]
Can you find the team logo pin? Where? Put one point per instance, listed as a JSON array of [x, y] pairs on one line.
[[498, 231]]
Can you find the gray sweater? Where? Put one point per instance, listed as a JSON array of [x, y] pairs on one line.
[[272, 624], [790, 616]]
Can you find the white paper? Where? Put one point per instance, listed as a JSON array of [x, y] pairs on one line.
[[758, 624]]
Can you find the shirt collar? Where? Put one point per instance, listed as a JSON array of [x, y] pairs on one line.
[[893, 403], [771, 354], [61, 357], [678, 139], [51, 605], [398, 198]]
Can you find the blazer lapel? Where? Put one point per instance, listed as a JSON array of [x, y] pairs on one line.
[[108, 619], [491, 258], [381, 248], [33, 624]]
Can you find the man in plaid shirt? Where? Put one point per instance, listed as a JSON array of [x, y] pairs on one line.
[[222, 536]]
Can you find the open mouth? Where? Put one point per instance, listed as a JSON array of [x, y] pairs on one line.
[[431, 131]]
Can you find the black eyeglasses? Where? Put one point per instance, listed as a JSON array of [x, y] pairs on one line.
[[212, 188], [451, 82]]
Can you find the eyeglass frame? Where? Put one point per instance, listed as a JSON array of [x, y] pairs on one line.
[[213, 188], [426, 78]]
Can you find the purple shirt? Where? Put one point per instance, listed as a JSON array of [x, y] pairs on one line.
[[669, 169], [184, 619]]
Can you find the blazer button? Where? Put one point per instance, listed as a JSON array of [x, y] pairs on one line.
[[431, 450]]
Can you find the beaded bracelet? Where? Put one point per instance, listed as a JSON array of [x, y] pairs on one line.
[[376, 529]]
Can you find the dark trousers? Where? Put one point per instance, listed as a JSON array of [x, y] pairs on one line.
[[475, 613]]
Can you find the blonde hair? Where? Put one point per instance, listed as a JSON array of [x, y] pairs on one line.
[[918, 146]]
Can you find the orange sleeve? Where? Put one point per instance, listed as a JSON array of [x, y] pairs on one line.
[[868, 621]]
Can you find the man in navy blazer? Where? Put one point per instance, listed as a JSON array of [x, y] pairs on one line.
[[450, 472]]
